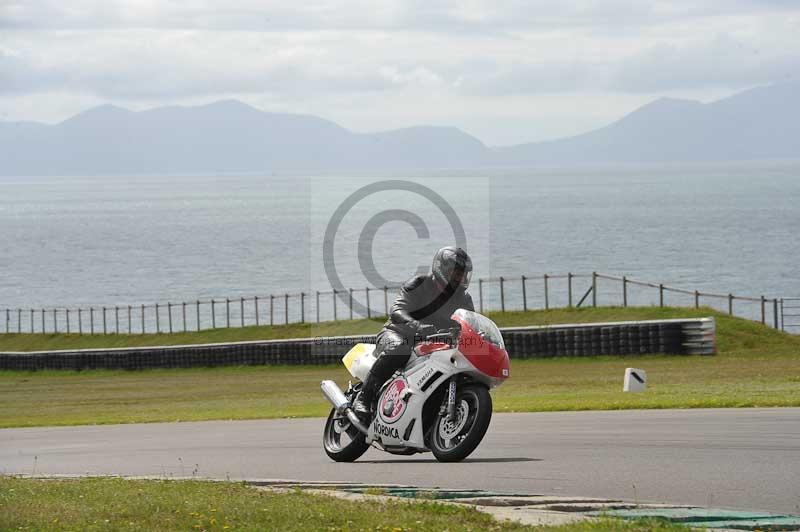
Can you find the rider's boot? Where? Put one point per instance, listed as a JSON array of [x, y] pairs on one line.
[[363, 404]]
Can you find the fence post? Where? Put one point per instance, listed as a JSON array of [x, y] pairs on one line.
[[169, 315], [763, 310], [730, 304], [105, 329], [502, 295], [227, 312], [129, 320], [286, 308], [302, 307], [80, 321], [8, 319], [142, 317], [67, 310], [255, 304], [546, 293], [271, 309], [55, 321], [213, 314], [480, 294], [783, 320], [183, 315], [316, 306], [386, 300], [158, 320], [91, 320], [624, 291], [775, 311], [594, 289], [696, 299], [43, 330], [241, 311], [661, 294], [569, 289], [335, 317], [524, 296], [197, 313], [116, 318], [19, 320], [351, 303]]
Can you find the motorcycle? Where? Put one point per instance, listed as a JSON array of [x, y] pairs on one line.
[[439, 402]]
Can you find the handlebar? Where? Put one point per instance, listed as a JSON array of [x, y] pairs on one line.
[[446, 335], [443, 334]]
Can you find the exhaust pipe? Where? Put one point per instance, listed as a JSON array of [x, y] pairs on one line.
[[334, 394], [336, 397]]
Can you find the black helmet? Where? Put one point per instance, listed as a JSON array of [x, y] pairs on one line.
[[452, 268]]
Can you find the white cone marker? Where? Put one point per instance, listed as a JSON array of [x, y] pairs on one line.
[[635, 380]]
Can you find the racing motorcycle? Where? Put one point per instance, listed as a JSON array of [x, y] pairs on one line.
[[438, 402]]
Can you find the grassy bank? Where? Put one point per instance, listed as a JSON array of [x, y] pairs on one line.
[[755, 366], [45, 342], [116, 504]]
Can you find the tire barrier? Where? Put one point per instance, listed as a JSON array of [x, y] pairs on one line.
[[679, 337]]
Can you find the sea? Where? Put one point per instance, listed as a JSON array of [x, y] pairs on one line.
[[80, 241]]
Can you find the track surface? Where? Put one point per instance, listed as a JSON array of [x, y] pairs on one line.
[[739, 458]]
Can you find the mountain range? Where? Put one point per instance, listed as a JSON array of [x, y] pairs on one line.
[[230, 136]]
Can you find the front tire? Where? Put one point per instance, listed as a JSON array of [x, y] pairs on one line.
[[341, 440], [452, 441]]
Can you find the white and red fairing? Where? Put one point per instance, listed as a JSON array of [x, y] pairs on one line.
[[480, 344]]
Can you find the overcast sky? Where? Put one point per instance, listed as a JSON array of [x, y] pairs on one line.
[[504, 71]]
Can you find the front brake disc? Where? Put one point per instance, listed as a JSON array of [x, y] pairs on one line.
[[450, 428]]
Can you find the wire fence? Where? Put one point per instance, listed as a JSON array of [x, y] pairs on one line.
[[524, 292], [790, 308]]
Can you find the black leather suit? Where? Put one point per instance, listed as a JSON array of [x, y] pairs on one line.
[[421, 300]]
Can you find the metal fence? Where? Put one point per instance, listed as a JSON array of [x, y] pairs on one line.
[[790, 308], [524, 292]]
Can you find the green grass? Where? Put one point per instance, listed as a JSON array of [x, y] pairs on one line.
[[45, 342], [755, 366], [117, 504]]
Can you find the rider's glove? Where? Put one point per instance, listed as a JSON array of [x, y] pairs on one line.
[[424, 330]]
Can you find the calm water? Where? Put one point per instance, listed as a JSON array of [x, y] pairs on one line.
[[112, 240]]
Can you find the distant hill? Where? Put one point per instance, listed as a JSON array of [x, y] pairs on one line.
[[226, 136], [759, 123], [229, 136]]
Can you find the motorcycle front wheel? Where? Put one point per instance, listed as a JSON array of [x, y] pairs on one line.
[[341, 440], [455, 439]]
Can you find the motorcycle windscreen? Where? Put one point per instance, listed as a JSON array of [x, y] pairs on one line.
[[482, 325]]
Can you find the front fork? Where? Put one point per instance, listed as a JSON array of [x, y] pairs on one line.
[[449, 406]]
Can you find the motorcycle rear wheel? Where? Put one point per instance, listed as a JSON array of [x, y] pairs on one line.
[[454, 440], [348, 451]]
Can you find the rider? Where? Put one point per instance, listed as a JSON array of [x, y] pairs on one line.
[[424, 305]]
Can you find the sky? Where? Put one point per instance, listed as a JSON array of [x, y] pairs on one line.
[[507, 72]]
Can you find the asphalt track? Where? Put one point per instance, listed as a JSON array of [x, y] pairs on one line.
[[737, 458]]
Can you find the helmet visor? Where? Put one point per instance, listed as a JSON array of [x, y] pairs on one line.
[[460, 278]]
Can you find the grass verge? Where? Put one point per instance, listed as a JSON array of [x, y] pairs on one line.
[[48, 342], [755, 366], [117, 504]]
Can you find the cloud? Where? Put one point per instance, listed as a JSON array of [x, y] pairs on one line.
[[134, 64], [721, 61], [396, 15], [476, 57]]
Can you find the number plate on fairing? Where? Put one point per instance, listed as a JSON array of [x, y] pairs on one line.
[[393, 397]]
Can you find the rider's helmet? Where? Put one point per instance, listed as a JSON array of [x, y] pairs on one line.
[[452, 268]]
